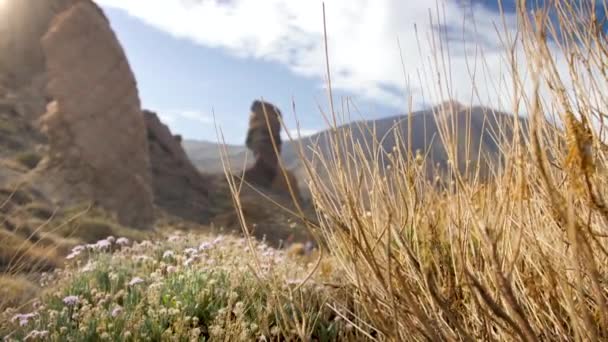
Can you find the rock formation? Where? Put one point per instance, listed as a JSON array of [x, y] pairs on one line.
[[95, 127], [179, 188], [22, 63], [264, 128]]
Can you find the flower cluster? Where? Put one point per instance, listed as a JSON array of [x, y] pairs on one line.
[[180, 288]]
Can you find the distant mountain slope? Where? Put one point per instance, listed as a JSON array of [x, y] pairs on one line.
[[206, 155], [476, 129]]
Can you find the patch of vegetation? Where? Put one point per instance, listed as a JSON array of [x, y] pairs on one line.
[[20, 255], [16, 291], [90, 224], [183, 288], [29, 159], [39, 210], [521, 257]]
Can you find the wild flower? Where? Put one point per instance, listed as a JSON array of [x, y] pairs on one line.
[[111, 239], [100, 245], [205, 246], [135, 281], [189, 261], [104, 244], [123, 241], [173, 238], [191, 251], [171, 269], [71, 300], [23, 318], [72, 255], [309, 247], [78, 249], [117, 311], [168, 254], [37, 335], [218, 239]]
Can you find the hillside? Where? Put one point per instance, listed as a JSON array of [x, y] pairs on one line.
[[477, 130]]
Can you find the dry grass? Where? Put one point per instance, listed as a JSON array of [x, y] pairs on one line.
[[521, 257], [20, 255], [15, 291]]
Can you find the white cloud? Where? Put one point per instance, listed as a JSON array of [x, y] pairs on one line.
[[362, 37], [171, 117]]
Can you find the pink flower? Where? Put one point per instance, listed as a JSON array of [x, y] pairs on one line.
[[122, 241], [205, 246], [190, 251], [189, 261], [72, 255], [23, 319], [37, 335], [117, 311], [78, 249], [135, 281], [103, 244], [70, 300]]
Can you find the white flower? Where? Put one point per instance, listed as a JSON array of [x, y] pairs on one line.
[[100, 245], [122, 241], [189, 261], [78, 249], [205, 246], [135, 281], [72, 255], [173, 238], [190, 251], [168, 254], [23, 318], [103, 244], [117, 311], [37, 335], [111, 239], [70, 300]]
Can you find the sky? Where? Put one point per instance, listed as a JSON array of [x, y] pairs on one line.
[[199, 63]]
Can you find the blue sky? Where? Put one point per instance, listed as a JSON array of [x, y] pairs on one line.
[[186, 83], [193, 58]]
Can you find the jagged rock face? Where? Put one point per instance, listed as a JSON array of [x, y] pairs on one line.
[[179, 188], [264, 127], [96, 130]]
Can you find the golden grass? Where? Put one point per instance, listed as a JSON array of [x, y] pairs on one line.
[[16, 291], [521, 256], [19, 255]]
